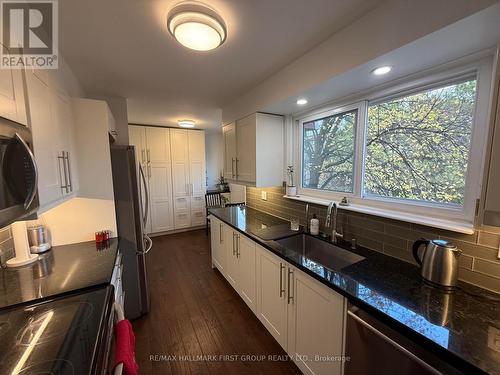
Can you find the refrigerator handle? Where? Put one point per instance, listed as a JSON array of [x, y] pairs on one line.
[[150, 244], [146, 193]]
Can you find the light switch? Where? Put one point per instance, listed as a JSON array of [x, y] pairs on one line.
[[263, 195], [494, 338]]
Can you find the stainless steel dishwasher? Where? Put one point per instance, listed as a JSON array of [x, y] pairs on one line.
[[374, 348]]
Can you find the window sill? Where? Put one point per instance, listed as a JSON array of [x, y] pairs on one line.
[[454, 226]]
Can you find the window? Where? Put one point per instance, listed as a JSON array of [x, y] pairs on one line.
[[328, 152], [417, 146]]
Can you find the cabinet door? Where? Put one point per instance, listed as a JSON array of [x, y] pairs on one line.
[[46, 142], [271, 294], [160, 178], [246, 270], [196, 145], [231, 258], [229, 134], [217, 241], [12, 95], [137, 138], [315, 325], [160, 183], [246, 148], [180, 162]]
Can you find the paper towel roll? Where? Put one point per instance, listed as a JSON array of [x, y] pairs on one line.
[[21, 244]]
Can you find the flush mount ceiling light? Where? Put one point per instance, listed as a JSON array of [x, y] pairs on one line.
[[302, 101], [196, 26], [381, 70], [186, 123]]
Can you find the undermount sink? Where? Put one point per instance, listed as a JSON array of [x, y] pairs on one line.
[[325, 253]]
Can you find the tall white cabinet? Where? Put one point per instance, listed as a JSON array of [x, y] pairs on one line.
[[174, 164]]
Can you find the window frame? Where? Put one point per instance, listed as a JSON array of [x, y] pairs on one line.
[[481, 69]]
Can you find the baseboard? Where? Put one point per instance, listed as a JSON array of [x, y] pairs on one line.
[[174, 231]]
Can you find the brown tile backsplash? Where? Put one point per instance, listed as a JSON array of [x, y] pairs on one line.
[[6, 245], [479, 263]]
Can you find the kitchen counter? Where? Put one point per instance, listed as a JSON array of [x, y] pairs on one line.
[[61, 270], [462, 327]]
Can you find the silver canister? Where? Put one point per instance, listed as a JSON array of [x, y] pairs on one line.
[[38, 239]]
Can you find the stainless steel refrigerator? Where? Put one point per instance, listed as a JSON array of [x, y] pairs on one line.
[[132, 204]]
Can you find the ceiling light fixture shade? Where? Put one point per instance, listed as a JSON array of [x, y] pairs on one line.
[[186, 123], [302, 101], [381, 70], [196, 26]]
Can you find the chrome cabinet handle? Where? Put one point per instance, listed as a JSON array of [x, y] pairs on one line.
[[282, 291], [232, 167], [63, 172], [149, 171], [290, 297], [70, 183], [237, 160], [233, 243], [31, 196], [220, 233], [238, 246], [143, 155], [148, 152], [392, 342], [146, 193]]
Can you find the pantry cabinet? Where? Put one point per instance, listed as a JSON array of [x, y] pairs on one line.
[[152, 148], [12, 94], [304, 316], [174, 164], [254, 151]]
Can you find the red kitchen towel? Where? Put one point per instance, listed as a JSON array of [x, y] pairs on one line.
[[125, 348]]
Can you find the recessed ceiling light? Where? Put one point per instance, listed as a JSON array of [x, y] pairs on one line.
[[196, 26], [186, 123], [302, 101], [381, 70]]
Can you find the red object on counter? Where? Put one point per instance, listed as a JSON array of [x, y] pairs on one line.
[[105, 235], [98, 237], [125, 348]]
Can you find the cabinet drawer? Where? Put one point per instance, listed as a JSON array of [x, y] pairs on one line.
[[198, 202], [181, 203], [198, 216], [182, 220]]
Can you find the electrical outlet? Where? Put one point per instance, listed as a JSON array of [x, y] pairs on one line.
[[494, 338], [263, 195]]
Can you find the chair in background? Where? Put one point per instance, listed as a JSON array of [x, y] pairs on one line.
[[212, 199], [234, 204]]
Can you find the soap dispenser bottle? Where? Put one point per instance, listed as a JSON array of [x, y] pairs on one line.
[[314, 225]]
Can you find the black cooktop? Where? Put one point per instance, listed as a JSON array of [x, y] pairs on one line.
[[59, 336]]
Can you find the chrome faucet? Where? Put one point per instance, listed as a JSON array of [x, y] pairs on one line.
[[328, 222], [335, 235]]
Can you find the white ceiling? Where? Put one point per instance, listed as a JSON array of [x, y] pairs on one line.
[[123, 48], [473, 34]]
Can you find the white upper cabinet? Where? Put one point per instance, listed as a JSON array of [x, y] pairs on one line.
[[52, 123], [229, 134], [254, 151], [12, 95]]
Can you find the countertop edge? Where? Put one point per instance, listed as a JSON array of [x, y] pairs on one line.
[[411, 334]]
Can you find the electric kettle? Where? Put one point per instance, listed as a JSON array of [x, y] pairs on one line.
[[439, 262]]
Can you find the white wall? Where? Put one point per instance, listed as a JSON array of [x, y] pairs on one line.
[[78, 219], [385, 28], [214, 156]]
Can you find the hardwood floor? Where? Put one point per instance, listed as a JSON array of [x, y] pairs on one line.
[[195, 313]]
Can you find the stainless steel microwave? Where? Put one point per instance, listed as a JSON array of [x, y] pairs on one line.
[[18, 173]]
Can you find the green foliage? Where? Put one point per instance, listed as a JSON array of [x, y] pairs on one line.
[[417, 147]]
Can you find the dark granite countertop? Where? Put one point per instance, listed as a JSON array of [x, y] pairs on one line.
[[61, 270], [462, 327]]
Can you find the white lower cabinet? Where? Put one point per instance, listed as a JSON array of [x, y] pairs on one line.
[[217, 244], [272, 308], [315, 324], [304, 316]]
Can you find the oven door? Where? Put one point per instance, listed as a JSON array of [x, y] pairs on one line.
[[18, 173]]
